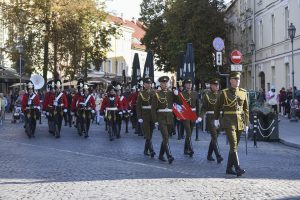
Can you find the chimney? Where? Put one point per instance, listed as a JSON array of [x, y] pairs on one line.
[[133, 20]]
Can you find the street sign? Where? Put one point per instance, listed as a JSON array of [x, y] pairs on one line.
[[236, 57], [236, 68], [219, 58], [218, 44]]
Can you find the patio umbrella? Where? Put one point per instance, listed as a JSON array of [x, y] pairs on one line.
[[149, 67], [189, 64], [136, 70]]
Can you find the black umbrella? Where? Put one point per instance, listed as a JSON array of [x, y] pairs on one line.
[[189, 65], [136, 70], [149, 67]]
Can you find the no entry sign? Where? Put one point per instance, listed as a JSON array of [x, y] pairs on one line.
[[236, 57]]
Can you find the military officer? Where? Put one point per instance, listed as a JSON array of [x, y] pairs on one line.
[[191, 97], [179, 125], [207, 110], [143, 110], [162, 115], [233, 103]]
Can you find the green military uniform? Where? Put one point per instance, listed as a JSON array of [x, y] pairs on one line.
[[207, 110], [191, 97], [233, 103], [162, 113], [143, 109], [178, 123]]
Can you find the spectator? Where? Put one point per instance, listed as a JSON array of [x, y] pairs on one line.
[[272, 98], [261, 98], [288, 98], [282, 98]]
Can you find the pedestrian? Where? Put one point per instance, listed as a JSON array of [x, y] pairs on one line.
[[143, 110], [272, 98], [282, 98], [233, 103], [261, 98], [207, 110], [162, 115]]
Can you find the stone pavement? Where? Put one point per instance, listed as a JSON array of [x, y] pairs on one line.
[[289, 132], [95, 168]]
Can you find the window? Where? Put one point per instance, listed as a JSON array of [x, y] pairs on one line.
[[286, 22], [273, 29], [261, 33], [287, 75], [273, 75], [101, 68], [109, 66]]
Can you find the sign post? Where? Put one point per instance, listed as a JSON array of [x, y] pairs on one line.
[[236, 58]]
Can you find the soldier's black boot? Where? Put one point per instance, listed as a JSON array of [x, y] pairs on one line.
[[186, 147], [229, 169], [191, 148], [161, 153], [210, 151], [235, 159], [217, 153], [146, 148], [152, 153], [168, 152]]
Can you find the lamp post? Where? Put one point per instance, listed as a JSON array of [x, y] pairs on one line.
[[20, 48], [252, 47], [292, 31]]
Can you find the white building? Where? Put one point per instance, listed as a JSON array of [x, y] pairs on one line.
[[265, 22]]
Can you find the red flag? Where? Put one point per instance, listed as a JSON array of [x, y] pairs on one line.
[[184, 111]]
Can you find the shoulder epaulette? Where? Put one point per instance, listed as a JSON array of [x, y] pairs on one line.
[[242, 89]]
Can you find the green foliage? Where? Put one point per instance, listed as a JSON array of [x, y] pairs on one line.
[[58, 35], [170, 25]]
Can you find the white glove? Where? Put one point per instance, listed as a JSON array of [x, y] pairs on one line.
[[65, 110], [217, 123], [198, 120], [120, 113], [176, 92], [156, 124], [246, 129], [55, 103], [47, 113], [140, 120], [101, 117], [124, 111], [93, 111], [72, 113]]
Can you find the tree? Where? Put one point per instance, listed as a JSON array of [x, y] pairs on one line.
[[180, 22]]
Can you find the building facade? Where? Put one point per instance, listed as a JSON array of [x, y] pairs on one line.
[[259, 28]]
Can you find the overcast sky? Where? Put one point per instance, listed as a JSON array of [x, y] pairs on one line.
[[129, 8]]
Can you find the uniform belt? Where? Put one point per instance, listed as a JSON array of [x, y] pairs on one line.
[[210, 112], [233, 112], [193, 109], [146, 107], [112, 108], [165, 110]]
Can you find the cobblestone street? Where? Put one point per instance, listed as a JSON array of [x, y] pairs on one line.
[[95, 168]]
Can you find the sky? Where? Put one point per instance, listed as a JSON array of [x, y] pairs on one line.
[[129, 8]]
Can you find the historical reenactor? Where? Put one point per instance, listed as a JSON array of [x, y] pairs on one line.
[[86, 107], [233, 103], [162, 115], [132, 107], [191, 97], [143, 110], [207, 110], [123, 105], [60, 104], [30, 107], [78, 94], [48, 105], [110, 108]]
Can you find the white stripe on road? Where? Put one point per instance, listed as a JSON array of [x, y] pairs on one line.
[[103, 157]]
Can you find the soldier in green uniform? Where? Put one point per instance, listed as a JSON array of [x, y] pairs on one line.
[[191, 97], [207, 110], [178, 123], [162, 115], [143, 110], [233, 103]]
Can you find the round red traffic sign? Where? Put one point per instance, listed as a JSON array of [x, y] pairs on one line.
[[236, 57]]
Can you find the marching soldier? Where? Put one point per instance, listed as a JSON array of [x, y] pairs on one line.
[[30, 107], [143, 110], [132, 107], [191, 97], [207, 110], [48, 105], [86, 105], [60, 104], [233, 103], [179, 125], [123, 103], [162, 115], [80, 84]]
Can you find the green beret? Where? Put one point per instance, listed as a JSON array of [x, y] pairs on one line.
[[163, 79], [214, 81], [147, 80], [235, 75]]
